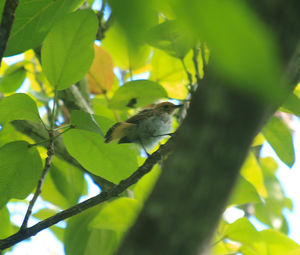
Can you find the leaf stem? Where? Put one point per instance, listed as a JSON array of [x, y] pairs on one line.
[[38, 190], [54, 137]]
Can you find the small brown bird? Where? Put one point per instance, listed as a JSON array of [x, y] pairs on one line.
[[146, 128]]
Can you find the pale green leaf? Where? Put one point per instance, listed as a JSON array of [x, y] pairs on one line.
[[280, 138], [137, 93], [20, 169], [18, 107], [242, 231], [67, 52], [124, 56], [277, 242], [33, 21]]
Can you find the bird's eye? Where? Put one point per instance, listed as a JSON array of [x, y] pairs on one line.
[[166, 107]]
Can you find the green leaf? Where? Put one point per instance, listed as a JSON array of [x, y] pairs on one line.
[[67, 52], [124, 55], [64, 185], [135, 17], [292, 104], [169, 73], [18, 107], [140, 92], [280, 138], [244, 50], [244, 192], [170, 37], [144, 187], [271, 211], [13, 77], [82, 238], [277, 242], [33, 21], [20, 169], [85, 121], [6, 227], [113, 162], [242, 231], [117, 215]]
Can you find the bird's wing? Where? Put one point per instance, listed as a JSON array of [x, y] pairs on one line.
[[144, 114]]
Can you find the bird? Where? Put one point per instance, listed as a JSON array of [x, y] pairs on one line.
[[145, 128]]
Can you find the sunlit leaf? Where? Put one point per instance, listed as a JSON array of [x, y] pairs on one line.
[[12, 78], [101, 76], [85, 121], [252, 172], [33, 21], [168, 71], [271, 211], [244, 192], [124, 55], [258, 140], [242, 231], [277, 242], [20, 169], [18, 107], [280, 138], [67, 51], [140, 92]]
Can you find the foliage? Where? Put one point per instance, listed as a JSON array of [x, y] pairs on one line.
[[151, 52]]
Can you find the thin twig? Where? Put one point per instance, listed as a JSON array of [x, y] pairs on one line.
[[102, 197], [8, 17], [38, 190], [53, 138]]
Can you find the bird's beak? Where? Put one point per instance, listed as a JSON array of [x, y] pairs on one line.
[[179, 105]]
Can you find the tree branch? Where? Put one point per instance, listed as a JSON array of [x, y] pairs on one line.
[[7, 21], [103, 196]]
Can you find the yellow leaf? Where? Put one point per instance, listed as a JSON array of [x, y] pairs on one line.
[[258, 140], [100, 76], [252, 172]]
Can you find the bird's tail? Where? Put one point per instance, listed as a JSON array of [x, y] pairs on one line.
[[117, 131]]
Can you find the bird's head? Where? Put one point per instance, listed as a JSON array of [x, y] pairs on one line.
[[166, 107]]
